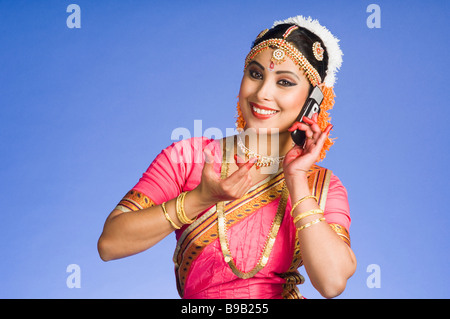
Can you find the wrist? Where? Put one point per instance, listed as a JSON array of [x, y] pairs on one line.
[[298, 186], [201, 201]]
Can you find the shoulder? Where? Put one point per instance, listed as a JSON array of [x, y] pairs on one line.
[[176, 168], [194, 143], [186, 158], [189, 150]]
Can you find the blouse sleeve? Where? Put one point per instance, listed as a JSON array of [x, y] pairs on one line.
[[176, 169], [337, 210], [162, 179]]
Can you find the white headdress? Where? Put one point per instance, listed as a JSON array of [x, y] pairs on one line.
[[330, 41]]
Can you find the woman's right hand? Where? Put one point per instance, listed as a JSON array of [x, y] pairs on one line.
[[213, 189]]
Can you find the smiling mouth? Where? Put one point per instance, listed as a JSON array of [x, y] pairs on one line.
[[262, 112]]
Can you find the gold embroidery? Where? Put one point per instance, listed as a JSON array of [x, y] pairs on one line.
[[342, 232], [133, 201]]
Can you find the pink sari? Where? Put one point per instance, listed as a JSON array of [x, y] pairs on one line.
[[200, 267]]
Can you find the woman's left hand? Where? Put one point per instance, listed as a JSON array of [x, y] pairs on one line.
[[299, 160]]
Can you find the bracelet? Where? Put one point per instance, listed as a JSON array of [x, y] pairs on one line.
[[301, 201], [306, 214], [163, 205], [181, 214], [310, 224]]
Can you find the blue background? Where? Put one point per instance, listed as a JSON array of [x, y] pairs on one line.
[[84, 112]]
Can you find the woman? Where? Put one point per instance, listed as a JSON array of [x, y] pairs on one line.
[[243, 232]]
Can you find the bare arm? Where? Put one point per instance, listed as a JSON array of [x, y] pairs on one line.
[[328, 260], [129, 233]]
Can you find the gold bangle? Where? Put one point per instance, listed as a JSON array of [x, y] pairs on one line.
[[310, 224], [181, 214], [163, 205], [301, 201], [306, 214]]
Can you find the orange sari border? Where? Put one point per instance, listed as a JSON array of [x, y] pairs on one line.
[[133, 201], [342, 232]]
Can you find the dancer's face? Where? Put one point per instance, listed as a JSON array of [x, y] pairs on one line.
[[272, 98]]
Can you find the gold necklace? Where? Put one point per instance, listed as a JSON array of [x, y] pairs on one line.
[[262, 161], [270, 241]]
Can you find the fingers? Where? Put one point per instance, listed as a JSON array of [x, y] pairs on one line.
[[209, 157], [316, 144], [233, 187], [328, 129], [293, 127], [243, 169], [305, 120], [208, 168], [309, 126], [238, 183], [239, 160], [311, 129], [312, 124], [302, 127], [297, 126], [243, 166], [325, 134], [315, 117]]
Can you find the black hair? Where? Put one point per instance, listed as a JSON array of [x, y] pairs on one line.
[[303, 40]]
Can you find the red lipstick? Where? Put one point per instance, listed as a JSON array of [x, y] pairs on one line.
[[262, 112]]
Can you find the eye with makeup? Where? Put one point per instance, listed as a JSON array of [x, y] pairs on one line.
[[286, 83], [257, 75]]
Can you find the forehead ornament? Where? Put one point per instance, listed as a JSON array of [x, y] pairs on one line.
[[278, 55], [282, 50]]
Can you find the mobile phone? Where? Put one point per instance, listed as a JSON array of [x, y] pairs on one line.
[[311, 106]]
